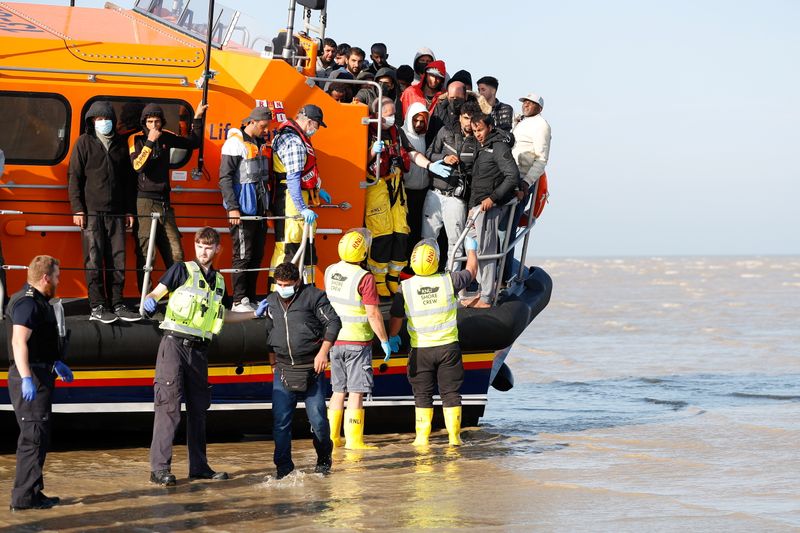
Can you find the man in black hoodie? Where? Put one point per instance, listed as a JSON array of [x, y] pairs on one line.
[[150, 155], [495, 178], [102, 195]]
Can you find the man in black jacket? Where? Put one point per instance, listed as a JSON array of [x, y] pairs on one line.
[[495, 178], [445, 200], [503, 114], [301, 328], [150, 156], [102, 194]]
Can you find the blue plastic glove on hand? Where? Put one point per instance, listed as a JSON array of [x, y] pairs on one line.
[[63, 371], [261, 310], [28, 389], [377, 147], [325, 196], [308, 215], [394, 343], [470, 244], [440, 169], [150, 304], [387, 349]]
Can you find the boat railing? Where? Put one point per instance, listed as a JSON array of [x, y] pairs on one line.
[[508, 245]]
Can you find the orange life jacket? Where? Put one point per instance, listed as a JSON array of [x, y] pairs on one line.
[[309, 178]]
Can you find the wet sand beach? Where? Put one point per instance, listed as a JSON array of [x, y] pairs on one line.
[[651, 395]]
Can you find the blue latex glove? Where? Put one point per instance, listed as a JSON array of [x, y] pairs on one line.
[[63, 371], [261, 310], [470, 244], [387, 349], [440, 169], [150, 304], [325, 196], [377, 147], [308, 215], [28, 389], [394, 343]]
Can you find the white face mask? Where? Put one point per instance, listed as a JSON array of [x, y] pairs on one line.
[[103, 127], [388, 121], [311, 132], [285, 292]]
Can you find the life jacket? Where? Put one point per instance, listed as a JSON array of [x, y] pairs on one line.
[[194, 308], [309, 178], [431, 308], [393, 155], [341, 286], [253, 172]]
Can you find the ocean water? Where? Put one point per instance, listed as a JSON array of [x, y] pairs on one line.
[[652, 394]]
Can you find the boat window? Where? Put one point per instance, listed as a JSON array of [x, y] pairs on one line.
[[34, 127], [177, 113]]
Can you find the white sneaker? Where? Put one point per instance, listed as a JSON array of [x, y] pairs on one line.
[[244, 306]]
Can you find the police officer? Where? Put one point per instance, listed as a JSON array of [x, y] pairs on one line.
[[243, 177], [430, 303], [298, 185], [352, 292], [31, 379], [194, 315]]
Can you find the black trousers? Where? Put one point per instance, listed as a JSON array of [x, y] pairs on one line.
[[104, 258], [416, 201], [248, 238], [33, 419], [438, 365], [181, 369]]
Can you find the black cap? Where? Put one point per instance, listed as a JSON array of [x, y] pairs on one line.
[[463, 76], [258, 113], [312, 112], [488, 80]]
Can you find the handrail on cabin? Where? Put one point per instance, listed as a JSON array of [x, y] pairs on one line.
[[92, 74]]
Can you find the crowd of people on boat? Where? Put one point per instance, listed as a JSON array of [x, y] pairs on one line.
[[446, 158]]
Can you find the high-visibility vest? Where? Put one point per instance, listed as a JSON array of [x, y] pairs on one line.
[[341, 286], [430, 305], [194, 308]]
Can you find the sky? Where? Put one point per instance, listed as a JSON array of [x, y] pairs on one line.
[[675, 126]]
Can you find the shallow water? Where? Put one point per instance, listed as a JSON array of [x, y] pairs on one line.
[[651, 394]]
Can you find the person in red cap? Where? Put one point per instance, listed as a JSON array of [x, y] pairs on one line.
[[430, 86]]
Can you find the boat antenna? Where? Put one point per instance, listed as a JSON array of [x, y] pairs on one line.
[[207, 76]]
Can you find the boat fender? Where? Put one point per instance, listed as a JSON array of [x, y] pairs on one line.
[[504, 380]]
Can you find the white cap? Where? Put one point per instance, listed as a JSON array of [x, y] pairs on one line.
[[535, 98]]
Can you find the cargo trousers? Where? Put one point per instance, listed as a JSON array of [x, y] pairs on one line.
[[181, 369]]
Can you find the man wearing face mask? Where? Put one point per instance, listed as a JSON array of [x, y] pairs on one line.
[[302, 326], [386, 203], [243, 177], [447, 109], [102, 194], [430, 86], [421, 60], [294, 164]]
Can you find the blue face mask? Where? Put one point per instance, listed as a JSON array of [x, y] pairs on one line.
[[103, 127], [285, 292]]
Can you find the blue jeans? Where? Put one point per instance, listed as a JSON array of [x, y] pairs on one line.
[[283, 405]]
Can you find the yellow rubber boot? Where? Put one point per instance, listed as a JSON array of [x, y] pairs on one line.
[[354, 430], [379, 270], [335, 421], [393, 276], [424, 416], [452, 421]]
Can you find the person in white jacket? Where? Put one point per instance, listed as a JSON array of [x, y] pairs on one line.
[[531, 140]]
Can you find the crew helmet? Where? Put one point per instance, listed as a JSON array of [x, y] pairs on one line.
[[425, 257], [354, 245]]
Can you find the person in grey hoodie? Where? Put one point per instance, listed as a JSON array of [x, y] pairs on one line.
[[102, 195]]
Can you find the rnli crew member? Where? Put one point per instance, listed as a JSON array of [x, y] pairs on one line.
[[102, 194], [294, 163], [386, 205], [194, 315], [150, 155], [429, 301], [351, 290], [301, 328], [31, 378], [243, 177]]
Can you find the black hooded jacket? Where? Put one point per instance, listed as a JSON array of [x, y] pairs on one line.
[[151, 159], [100, 180], [495, 174]]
